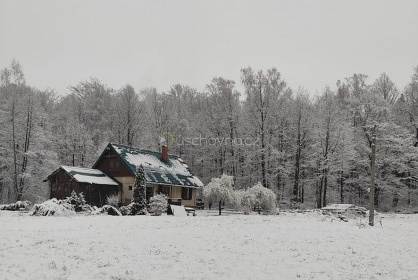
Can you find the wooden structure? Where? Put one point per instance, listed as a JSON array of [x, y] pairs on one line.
[[94, 184]]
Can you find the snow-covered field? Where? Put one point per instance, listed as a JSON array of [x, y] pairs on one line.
[[286, 246]]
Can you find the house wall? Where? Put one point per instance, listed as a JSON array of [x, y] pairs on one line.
[[126, 194], [176, 193], [61, 185], [111, 165], [191, 202]]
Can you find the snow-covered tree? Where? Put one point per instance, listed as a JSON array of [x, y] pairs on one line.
[[139, 203], [264, 198], [246, 200], [77, 200], [220, 190], [158, 204]]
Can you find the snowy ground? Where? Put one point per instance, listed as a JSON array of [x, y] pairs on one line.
[[286, 246]]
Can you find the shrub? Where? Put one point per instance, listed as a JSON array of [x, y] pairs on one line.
[[246, 201], [125, 210], [113, 200], [158, 204], [17, 206], [78, 201], [53, 207], [109, 210], [264, 198]]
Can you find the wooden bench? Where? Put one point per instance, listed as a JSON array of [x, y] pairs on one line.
[[190, 210]]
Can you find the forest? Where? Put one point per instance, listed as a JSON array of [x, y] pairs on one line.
[[310, 149]]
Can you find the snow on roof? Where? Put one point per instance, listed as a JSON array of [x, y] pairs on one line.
[[171, 172], [90, 176]]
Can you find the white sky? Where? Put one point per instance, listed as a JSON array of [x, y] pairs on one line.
[[160, 43]]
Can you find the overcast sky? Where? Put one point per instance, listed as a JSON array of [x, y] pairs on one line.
[[160, 43]]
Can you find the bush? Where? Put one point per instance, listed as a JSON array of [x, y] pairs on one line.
[[113, 200], [109, 210], [264, 198], [78, 201], [125, 210], [53, 207], [256, 197], [17, 206], [245, 200], [158, 204]]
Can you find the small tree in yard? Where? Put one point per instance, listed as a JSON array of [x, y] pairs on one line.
[[139, 204], [246, 200], [158, 204], [263, 198], [220, 189], [78, 201]]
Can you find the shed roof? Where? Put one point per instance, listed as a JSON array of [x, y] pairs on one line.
[[87, 175], [173, 171]]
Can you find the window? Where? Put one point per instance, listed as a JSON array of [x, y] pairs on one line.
[[130, 188], [186, 193], [164, 190], [113, 164]]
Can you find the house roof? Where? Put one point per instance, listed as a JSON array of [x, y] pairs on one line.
[[173, 171], [87, 175]]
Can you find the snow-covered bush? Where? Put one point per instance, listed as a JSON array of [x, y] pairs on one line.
[[264, 198], [53, 207], [17, 206], [113, 200], [245, 200], [78, 201], [220, 190], [125, 210], [158, 204], [109, 210]]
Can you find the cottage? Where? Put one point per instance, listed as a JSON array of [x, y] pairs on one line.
[[94, 184], [164, 173]]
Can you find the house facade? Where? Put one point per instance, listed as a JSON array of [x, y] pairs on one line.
[[164, 173]]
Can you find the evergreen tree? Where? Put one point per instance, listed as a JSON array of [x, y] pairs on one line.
[[139, 204]]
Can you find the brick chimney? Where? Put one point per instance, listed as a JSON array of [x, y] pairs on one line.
[[164, 152]]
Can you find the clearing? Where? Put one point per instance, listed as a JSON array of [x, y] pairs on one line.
[[285, 246]]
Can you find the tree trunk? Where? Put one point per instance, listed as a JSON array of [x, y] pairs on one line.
[[220, 207], [324, 199], [19, 193], [319, 194], [341, 187], [297, 161], [15, 175]]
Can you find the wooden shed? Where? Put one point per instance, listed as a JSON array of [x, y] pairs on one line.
[[93, 183]]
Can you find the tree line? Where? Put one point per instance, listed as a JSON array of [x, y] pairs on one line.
[[310, 150]]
